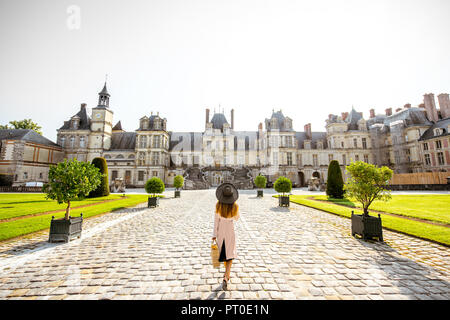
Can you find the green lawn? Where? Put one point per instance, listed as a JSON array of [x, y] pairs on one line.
[[12, 206], [427, 207], [440, 234]]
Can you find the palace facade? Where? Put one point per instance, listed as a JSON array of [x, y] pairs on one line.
[[409, 139]]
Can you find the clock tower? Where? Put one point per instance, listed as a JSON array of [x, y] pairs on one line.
[[101, 126]]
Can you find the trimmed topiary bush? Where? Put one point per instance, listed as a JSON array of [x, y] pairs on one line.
[[283, 185], [178, 182], [260, 181], [154, 185], [103, 189], [335, 182]]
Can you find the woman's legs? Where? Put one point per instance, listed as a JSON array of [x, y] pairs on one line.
[[228, 269]]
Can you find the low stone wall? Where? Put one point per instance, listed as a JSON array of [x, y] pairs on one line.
[[20, 189]]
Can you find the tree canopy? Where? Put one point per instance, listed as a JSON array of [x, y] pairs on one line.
[[70, 180], [23, 124], [368, 183], [283, 185]]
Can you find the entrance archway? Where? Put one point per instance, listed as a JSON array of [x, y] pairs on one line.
[[301, 179], [316, 174]]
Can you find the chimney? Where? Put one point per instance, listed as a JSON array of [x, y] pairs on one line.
[[444, 105], [207, 115], [372, 113], [422, 105], [308, 131], [408, 106], [430, 107], [232, 119], [83, 106], [388, 111], [344, 115]]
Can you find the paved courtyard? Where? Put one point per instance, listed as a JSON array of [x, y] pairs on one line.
[[164, 253]]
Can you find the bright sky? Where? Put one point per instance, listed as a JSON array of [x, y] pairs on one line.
[[308, 58]]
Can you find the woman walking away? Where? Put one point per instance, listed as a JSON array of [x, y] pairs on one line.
[[227, 211]]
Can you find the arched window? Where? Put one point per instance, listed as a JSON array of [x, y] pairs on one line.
[[120, 156], [131, 156]]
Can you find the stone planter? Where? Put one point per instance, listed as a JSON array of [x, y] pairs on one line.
[[259, 193], [367, 227], [65, 230], [177, 193], [283, 201], [153, 202]]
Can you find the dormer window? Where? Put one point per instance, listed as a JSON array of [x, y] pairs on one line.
[[75, 123], [437, 132]]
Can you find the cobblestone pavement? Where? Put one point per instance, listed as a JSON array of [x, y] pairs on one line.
[[164, 253]]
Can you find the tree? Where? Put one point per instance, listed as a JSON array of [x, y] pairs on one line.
[[154, 185], [368, 183], [260, 181], [23, 124], [335, 183], [178, 181], [69, 180], [283, 185], [103, 189]]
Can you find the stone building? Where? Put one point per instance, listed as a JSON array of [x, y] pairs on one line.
[[25, 156], [220, 153]]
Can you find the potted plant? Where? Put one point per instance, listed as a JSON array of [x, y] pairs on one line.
[[283, 185], [366, 184], [260, 183], [335, 183], [154, 186], [68, 181], [178, 182]]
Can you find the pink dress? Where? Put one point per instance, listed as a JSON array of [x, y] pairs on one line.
[[224, 233]]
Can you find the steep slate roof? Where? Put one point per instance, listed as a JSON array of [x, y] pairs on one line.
[[218, 120], [353, 119], [123, 141], [118, 126], [316, 136], [26, 135], [280, 119], [85, 121], [429, 133]]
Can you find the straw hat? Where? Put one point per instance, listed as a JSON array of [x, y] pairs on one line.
[[227, 193]]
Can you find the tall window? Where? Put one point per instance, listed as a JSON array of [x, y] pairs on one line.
[[355, 143], [344, 159], [155, 158], [356, 157], [156, 142], [72, 142], [82, 142], [63, 141], [141, 175], [114, 175], [440, 156], [289, 158], [425, 146], [143, 142], [299, 160], [315, 160], [397, 156], [364, 143], [427, 159], [330, 157], [366, 158], [438, 144], [275, 158]]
